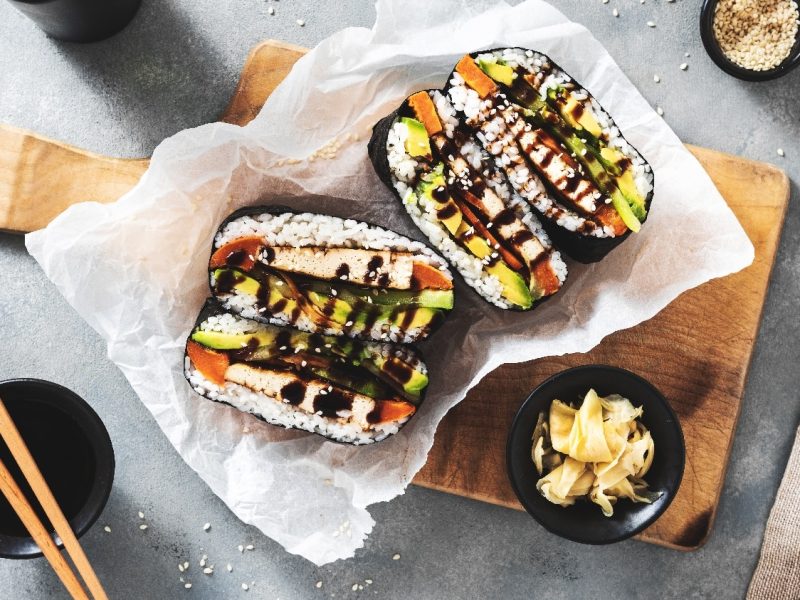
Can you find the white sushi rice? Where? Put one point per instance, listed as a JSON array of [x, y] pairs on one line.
[[423, 212], [283, 414], [314, 230]]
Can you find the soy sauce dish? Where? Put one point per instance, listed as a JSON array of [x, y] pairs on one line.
[[72, 448], [584, 521]]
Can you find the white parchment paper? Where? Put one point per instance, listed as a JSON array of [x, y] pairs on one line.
[[136, 269]]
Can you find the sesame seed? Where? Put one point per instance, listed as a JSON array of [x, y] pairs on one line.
[[241, 548], [301, 22], [188, 586], [781, 152], [355, 587], [684, 66], [249, 547], [396, 557], [186, 565], [318, 584], [656, 78], [208, 570], [615, 12], [368, 581], [141, 515], [303, 363], [107, 529], [271, 10], [229, 567], [348, 324], [142, 527], [245, 587], [660, 111], [181, 568], [207, 526], [651, 24]]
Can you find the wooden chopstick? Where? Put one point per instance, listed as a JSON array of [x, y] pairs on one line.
[[40, 535], [20, 452]]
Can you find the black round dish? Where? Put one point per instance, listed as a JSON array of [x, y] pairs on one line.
[[584, 522], [80, 473], [718, 56]]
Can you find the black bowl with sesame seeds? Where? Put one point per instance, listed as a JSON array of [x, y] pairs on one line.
[[583, 522], [73, 451], [764, 67]]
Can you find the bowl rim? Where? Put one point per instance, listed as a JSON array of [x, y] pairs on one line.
[[716, 54], [523, 409], [85, 417]]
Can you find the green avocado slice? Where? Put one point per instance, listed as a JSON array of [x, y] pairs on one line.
[[218, 340], [497, 71], [417, 143]]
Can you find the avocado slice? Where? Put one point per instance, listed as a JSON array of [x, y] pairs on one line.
[[396, 371], [568, 106], [384, 297], [417, 142], [341, 309], [232, 341], [613, 159], [497, 71], [446, 212], [244, 284], [422, 317]]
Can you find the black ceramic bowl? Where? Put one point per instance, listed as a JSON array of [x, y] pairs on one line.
[[72, 449], [584, 521], [730, 67]]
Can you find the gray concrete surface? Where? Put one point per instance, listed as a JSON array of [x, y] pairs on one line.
[[175, 66]]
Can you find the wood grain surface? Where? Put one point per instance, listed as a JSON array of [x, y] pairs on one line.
[[696, 351]]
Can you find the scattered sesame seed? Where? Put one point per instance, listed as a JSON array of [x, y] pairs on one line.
[[241, 548], [660, 111], [318, 584], [396, 557], [245, 587], [651, 24], [271, 10], [229, 567], [355, 587], [186, 565], [301, 22], [684, 66], [208, 570], [656, 78], [181, 568], [188, 586], [605, 1], [107, 529], [615, 12], [207, 526], [142, 526], [360, 587], [368, 581], [141, 515], [249, 547], [687, 55], [781, 152]]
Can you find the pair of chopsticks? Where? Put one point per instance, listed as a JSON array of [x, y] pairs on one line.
[[20, 504]]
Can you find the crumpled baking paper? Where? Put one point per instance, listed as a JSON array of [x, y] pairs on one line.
[[136, 269]]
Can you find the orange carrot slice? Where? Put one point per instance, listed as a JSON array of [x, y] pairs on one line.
[[426, 277], [425, 111], [475, 78], [239, 253], [393, 410], [211, 364], [545, 277]]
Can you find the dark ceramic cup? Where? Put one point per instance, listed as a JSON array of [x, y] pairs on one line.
[[72, 449], [78, 20], [584, 521]]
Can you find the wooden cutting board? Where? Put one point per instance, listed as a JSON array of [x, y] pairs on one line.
[[696, 351]]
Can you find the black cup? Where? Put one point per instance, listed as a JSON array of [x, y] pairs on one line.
[[70, 445], [79, 20]]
